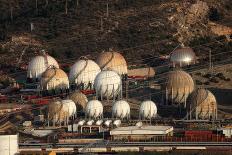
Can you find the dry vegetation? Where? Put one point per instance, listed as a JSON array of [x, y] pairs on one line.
[[71, 28]]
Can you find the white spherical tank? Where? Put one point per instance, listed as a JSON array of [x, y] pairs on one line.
[[39, 64], [9, 144], [147, 110], [108, 84], [121, 109], [83, 72], [94, 109], [54, 79], [112, 60]]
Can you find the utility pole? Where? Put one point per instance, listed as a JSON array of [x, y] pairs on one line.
[[66, 7], [210, 61], [101, 23], [46, 3], [107, 9], [36, 6], [11, 13]]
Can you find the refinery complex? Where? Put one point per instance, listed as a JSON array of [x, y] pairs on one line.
[[103, 105], [115, 77]]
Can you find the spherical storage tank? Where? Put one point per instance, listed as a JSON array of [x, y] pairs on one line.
[[147, 110], [79, 99], [54, 78], [83, 72], [121, 109], [108, 84], [9, 144], [201, 104], [38, 65], [112, 60], [178, 86], [182, 57], [60, 110], [94, 109]]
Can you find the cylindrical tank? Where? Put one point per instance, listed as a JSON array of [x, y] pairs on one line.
[[54, 79], [139, 124], [182, 56], [80, 123], [117, 122], [108, 84], [79, 99], [112, 60], [94, 109], [99, 122], [121, 109], [147, 110], [60, 110], [202, 104], [83, 73], [90, 122], [39, 64], [9, 144], [178, 86], [107, 123]]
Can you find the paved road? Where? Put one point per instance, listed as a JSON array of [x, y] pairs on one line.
[[121, 144]]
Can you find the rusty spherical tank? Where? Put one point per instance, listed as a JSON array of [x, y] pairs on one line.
[[177, 86], [79, 99], [202, 104], [61, 110], [183, 56], [54, 78], [112, 60]]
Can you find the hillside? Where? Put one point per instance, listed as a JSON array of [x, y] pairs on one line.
[[71, 28]]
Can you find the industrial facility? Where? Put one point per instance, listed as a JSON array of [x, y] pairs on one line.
[[96, 102], [113, 100]]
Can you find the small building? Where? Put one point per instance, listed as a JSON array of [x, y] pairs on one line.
[[137, 133], [227, 132]]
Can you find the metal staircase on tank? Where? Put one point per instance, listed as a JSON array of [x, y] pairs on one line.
[[111, 58], [86, 63]]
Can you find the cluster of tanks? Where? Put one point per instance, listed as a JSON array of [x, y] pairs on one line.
[[105, 76], [60, 111]]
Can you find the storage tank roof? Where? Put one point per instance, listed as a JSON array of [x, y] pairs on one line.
[[39, 64], [112, 60], [59, 73], [183, 56], [179, 79], [79, 99], [178, 86], [201, 96]]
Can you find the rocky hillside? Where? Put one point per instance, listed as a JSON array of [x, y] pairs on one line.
[[71, 28]]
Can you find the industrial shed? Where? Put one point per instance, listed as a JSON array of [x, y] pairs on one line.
[[137, 133]]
